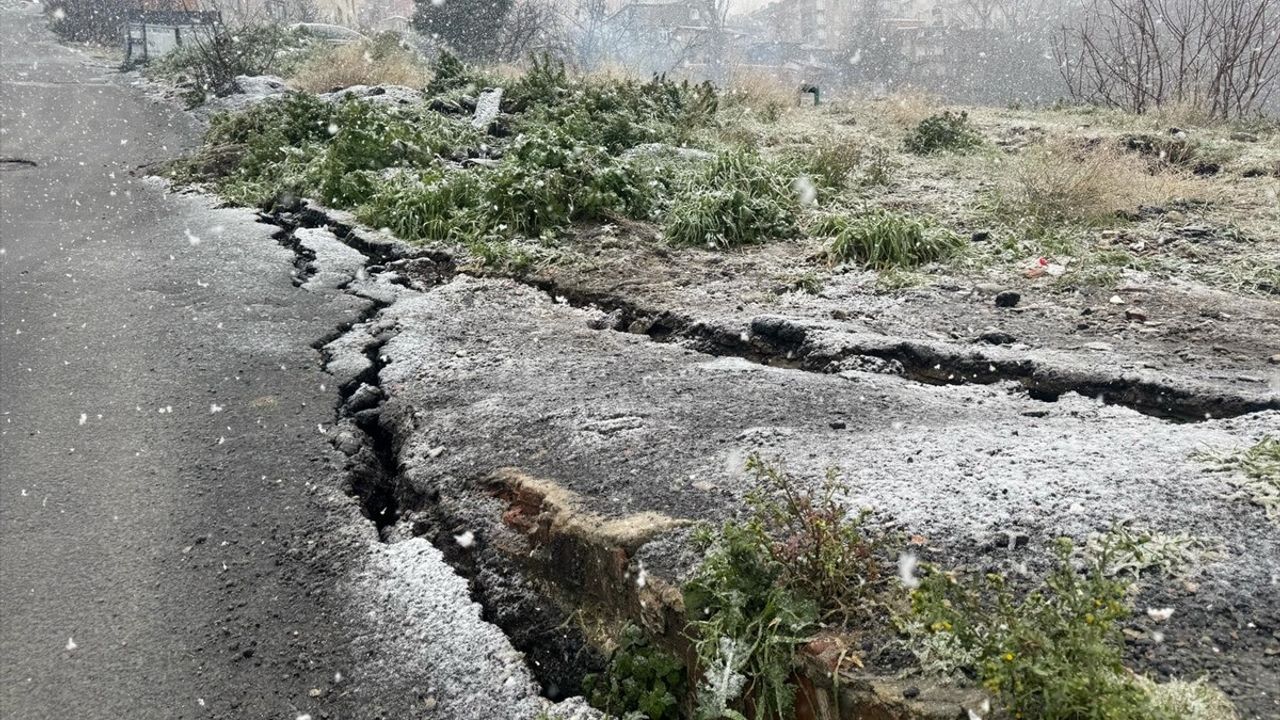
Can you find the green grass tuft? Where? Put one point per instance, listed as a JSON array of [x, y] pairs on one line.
[[738, 198], [947, 131], [884, 240]]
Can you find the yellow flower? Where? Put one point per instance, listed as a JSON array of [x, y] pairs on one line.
[[1008, 657], [1089, 618]]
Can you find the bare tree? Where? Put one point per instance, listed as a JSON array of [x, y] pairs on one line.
[[585, 21], [1221, 57], [530, 26], [713, 15]]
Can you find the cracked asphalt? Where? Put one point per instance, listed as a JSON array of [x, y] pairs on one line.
[[175, 541]]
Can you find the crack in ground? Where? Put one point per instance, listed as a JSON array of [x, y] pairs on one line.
[[512, 597], [556, 653]]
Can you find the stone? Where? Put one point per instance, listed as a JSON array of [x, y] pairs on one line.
[[366, 396], [997, 337], [487, 108], [347, 443], [1135, 315], [1007, 298]]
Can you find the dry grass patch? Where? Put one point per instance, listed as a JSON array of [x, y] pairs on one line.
[[908, 108], [1061, 182], [765, 96], [368, 63]]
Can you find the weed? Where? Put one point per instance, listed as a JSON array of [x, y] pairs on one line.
[[882, 239], [834, 163], [746, 624], [1054, 653], [1255, 472], [738, 199], [947, 131], [1061, 183], [766, 584], [1135, 553], [1184, 700], [877, 168], [827, 555], [640, 678]]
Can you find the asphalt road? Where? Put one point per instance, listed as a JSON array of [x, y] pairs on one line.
[[162, 550]]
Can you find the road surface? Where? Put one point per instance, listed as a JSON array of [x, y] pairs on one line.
[[173, 538]]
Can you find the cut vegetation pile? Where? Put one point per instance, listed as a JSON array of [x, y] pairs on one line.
[[564, 150]]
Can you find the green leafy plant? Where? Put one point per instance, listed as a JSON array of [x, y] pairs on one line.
[[367, 139], [882, 239], [747, 625], [767, 583], [1055, 652], [1135, 553], [640, 678], [946, 131]]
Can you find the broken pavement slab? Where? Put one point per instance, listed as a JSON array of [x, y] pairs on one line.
[[501, 375]]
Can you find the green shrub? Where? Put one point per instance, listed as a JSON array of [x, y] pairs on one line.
[[616, 114], [738, 199], [640, 678], [883, 240], [451, 75], [767, 582], [542, 84], [368, 138], [1055, 653], [263, 151], [945, 131]]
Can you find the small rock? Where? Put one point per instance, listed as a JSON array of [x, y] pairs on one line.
[[997, 337], [838, 425], [1135, 315], [1116, 300], [839, 314], [1100, 346], [1274, 359], [911, 692], [1007, 298], [347, 443], [365, 397], [982, 236]]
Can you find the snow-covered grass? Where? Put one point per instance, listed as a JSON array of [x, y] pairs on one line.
[[1255, 471]]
